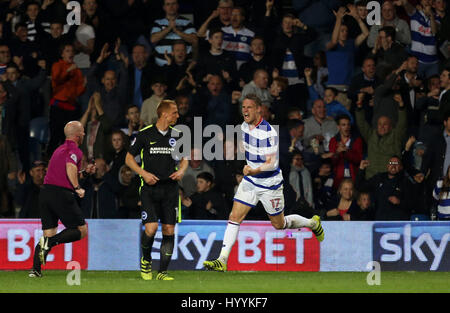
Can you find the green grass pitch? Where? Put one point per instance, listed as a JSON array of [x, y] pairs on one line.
[[54, 281]]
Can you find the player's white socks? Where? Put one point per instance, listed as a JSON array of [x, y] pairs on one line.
[[295, 221], [229, 238]]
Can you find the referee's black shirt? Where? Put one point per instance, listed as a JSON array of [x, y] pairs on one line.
[[156, 151]]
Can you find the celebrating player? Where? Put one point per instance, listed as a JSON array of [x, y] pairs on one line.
[[263, 181], [57, 199], [159, 187]]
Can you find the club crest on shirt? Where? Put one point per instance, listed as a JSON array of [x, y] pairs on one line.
[[73, 156], [272, 141]]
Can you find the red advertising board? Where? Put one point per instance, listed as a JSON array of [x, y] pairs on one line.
[[260, 247], [18, 239]]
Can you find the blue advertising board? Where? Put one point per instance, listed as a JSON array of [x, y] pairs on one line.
[[418, 246]]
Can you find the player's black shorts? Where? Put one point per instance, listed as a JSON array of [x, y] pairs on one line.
[[58, 203], [160, 202]]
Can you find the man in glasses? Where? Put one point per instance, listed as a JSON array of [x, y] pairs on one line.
[[221, 17], [389, 190]]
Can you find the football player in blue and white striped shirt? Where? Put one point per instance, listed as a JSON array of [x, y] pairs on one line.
[[263, 181]]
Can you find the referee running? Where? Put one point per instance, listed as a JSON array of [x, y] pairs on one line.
[[57, 199], [160, 173]]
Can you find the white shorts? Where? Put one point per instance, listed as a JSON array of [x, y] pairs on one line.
[[249, 194]]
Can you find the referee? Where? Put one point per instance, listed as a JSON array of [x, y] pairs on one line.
[[57, 199], [160, 173]]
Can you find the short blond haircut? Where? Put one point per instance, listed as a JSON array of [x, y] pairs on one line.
[[163, 106]]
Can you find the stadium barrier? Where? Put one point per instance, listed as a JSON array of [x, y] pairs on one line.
[[348, 246]]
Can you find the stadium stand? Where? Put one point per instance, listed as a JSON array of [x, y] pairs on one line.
[[123, 49]]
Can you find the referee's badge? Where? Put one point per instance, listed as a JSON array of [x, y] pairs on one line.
[[144, 215], [172, 142], [134, 140]]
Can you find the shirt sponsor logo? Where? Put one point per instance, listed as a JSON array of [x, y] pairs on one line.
[[161, 150]]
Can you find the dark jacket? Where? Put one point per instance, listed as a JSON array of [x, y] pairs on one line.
[[358, 214], [413, 111], [25, 88], [433, 161], [173, 74], [8, 162], [215, 64], [27, 197], [115, 101], [323, 192], [382, 187], [317, 13], [247, 69], [129, 199], [51, 49], [198, 209], [280, 42], [394, 56], [101, 203], [225, 181], [280, 108], [10, 114], [419, 192], [358, 82], [384, 103]]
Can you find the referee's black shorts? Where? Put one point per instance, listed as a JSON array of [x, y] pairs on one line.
[[58, 203], [160, 202]]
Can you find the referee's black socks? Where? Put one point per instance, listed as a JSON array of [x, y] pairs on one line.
[[166, 252], [146, 246], [65, 236]]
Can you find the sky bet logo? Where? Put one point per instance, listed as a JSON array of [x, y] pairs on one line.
[[418, 246]]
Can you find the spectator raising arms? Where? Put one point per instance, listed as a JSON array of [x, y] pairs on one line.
[[383, 141], [341, 50], [68, 83]]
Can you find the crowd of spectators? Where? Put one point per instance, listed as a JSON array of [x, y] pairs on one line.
[[363, 109]]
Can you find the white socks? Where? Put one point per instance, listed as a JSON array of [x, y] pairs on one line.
[[292, 221], [229, 238], [295, 221]]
